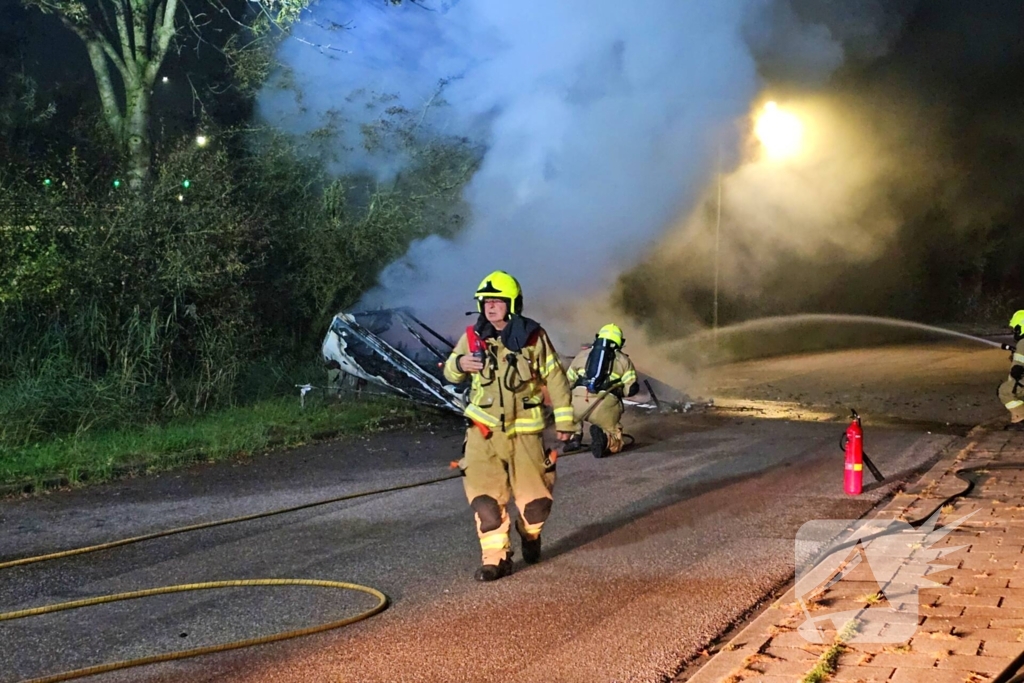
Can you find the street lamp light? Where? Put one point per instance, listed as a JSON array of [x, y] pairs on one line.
[[201, 140], [779, 131]]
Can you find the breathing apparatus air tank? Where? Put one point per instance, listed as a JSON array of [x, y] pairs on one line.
[[599, 365]]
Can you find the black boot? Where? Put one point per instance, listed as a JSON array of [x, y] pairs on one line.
[[493, 572], [598, 441], [531, 550], [574, 444]]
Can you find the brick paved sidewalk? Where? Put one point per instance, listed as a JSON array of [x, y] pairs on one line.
[[969, 629]]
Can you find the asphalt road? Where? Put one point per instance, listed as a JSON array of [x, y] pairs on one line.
[[648, 555]]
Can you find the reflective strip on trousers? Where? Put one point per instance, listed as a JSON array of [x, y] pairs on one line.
[[494, 542], [531, 530], [1014, 404]]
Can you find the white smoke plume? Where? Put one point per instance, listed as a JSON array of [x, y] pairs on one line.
[[601, 119]]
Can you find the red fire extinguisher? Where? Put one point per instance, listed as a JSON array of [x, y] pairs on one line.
[[853, 446]]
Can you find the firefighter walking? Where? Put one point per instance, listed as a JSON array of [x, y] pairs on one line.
[[600, 376], [1011, 391], [505, 454]]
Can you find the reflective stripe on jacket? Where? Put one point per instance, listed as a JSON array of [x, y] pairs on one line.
[[508, 394]]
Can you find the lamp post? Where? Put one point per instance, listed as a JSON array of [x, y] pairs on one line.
[[718, 229]]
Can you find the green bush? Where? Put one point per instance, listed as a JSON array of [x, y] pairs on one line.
[[207, 288]]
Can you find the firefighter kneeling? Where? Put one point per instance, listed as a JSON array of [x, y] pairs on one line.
[[601, 376], [504, 446], [1011, 391]]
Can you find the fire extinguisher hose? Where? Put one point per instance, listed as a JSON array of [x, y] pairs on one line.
[[875, 472]]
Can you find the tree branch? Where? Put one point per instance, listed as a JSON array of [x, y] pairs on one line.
[[140, 33], [91, 37], [163, 33], [122, 29], [108, 25], [108, 96]]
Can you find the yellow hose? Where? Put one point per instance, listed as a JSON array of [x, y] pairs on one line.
[[219, 522], [382, 600], [382, 603]]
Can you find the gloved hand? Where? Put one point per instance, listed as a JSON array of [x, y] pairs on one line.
[[1017, 372]]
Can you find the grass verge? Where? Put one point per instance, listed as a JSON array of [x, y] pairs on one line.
[[219, 435]]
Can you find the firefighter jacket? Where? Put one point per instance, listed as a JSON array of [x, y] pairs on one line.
[[508, 394], [622, 377]]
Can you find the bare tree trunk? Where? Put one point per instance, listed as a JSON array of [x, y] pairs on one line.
[[132, 36], [136, 133]]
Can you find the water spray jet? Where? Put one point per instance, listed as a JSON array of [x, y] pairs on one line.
[[801, 318]]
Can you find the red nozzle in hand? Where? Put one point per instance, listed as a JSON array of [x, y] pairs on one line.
[[476, 344]]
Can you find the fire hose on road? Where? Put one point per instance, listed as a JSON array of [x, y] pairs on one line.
[[382, 599], [1009, 675]]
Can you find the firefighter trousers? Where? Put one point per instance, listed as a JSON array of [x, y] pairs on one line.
[[606, 415], [1011, 394], [499, 467]]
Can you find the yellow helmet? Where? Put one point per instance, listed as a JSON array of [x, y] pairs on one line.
[[500, 285], [612, 333], [1017, 319]]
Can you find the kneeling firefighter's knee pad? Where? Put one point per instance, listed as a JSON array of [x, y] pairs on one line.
[[537, 511], [488, 511]]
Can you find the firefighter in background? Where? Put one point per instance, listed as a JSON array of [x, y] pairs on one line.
[[1011, 392], [504, 444], [600, 376]]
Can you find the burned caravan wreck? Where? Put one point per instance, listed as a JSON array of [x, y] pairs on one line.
[[394, 351], [397, 353]]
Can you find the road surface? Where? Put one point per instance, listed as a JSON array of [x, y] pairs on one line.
[[648, 555]]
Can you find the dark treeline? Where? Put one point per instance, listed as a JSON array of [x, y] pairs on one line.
[[207, 286]]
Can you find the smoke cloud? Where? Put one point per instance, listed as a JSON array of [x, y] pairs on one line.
[[603, 124], [902, 201], [600, 121]]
